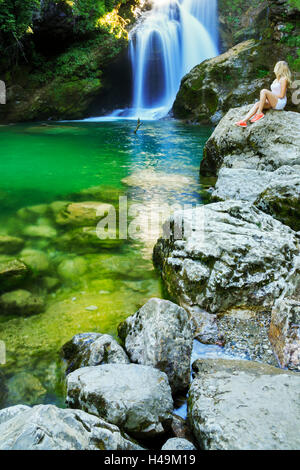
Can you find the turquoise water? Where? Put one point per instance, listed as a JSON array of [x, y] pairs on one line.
[[42, 163]]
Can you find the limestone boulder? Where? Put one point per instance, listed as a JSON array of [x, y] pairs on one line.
[[81, 214], [92, 349], [177, 443], [46, 427], [135, 398], [160, 335], [231, 254], [244, 405], [266, 145]]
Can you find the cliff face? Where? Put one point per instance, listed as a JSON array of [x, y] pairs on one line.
[[67, 65], [236, 77]]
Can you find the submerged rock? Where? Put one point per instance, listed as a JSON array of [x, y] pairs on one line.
[[284, 332], [92, 349], [32, 213], [10, 245], [86, 240], [266, 145], [37, 260], [243, 405], [12, 273], [39, 231], [21, 302], [160, 335], [136, 398], [82, 214], [72, 269], [235, 256], [177, 443], [46, 427], [25, 388]]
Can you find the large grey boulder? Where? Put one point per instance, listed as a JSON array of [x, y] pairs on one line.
[[92, 349], [266, 145], [284, 332], [275, 192], [177, 443], [136, 398], [243, 405], [160, 335], [46, 427], [231, 254]]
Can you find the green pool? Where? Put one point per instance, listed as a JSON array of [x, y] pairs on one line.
[[84, 290]]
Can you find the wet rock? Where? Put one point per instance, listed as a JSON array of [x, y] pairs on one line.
[[231, 254], [160, 335], [244, 334], [50, 283], [86, 240], [25, 388], [72, 269], [243, 405], [21, 302], [46, 427], [284, 332], [177, 443], [82, 214], [136, 398], [92, 349], [253, 148], [32, 213], [37, 261], [40, 231], [10, 245], [12, 273]]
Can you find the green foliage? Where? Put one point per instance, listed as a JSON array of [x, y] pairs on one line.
[[295, 3]]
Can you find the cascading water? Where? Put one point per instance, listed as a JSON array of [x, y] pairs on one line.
[[168, 41]]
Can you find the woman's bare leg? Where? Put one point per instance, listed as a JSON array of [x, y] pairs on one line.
[[267, 100], [252, 111]]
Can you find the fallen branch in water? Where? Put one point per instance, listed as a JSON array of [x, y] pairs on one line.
[[138, 125]]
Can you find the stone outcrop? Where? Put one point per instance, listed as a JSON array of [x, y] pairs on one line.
[[136, 398], [21, 302], [160, 335], [276, 193], [284, 332], [231, 254], [243, 405], [46, 427], [92, 349], [266, 145]]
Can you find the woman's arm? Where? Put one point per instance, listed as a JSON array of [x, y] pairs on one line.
[[283, 88]]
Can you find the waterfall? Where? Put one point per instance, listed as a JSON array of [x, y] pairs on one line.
[[165, 44], [168, 41]]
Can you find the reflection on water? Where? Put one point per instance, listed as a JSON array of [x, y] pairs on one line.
[[85, 287]]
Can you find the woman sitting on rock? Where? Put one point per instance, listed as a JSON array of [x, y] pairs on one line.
[[275, 99]]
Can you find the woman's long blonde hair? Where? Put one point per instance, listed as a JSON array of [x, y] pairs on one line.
[[282, 70]]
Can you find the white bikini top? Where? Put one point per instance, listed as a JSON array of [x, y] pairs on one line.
[[276, 88]]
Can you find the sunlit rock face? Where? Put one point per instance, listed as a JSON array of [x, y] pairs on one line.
[[233, 255], [46, 427], [244, 405]]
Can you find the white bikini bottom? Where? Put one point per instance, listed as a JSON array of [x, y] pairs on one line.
[[281, 104]]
